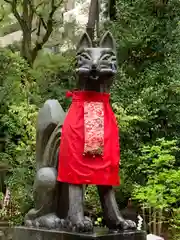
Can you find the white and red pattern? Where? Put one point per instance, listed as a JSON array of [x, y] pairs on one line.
[[94, 128]]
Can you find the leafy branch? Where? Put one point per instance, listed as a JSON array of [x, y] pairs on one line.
[[30, 10], [14, 4], [48, 26]]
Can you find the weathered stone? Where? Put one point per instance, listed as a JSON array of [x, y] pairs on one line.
[[22, 233], [50, 115], [60, 205], [2, 236]]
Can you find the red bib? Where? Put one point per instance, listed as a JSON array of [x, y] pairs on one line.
[[89, 148]]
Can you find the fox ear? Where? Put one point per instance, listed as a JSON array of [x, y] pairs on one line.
[[107, 41], [85, 42]]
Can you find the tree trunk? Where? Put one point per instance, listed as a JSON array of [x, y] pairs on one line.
[[26, 47], [93, 16], [112, 10], [27, 28], [25, 20]]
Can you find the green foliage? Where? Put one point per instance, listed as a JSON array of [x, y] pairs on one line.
[[161, 189], [5, 18], [55, 75], [20, 155], [98, 222], [20, 97], [15, 84], [1, 196], [146, 98], [158, 165], [7, 29], [17, 121], [92, 202]]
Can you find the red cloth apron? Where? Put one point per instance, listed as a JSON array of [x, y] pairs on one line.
[[75, 167]]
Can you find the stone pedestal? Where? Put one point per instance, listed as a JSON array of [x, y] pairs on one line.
[[23, 233]]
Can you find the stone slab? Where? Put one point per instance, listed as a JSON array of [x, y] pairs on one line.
[[24, 233]]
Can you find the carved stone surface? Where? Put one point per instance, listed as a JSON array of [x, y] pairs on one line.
[[23, 233], [2, 237], [60, 205], [50, 115], [46, 188]]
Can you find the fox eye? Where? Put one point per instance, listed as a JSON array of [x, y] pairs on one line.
[[86, 56], [105, 57]]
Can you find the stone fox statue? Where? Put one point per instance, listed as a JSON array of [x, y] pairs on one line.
[[89, 147]]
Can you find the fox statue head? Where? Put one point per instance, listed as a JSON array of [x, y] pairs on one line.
[[96, 66]]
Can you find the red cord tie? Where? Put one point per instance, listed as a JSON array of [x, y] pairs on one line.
[[69, 94]]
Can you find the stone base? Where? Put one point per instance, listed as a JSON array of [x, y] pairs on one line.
[[24, 233]]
